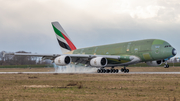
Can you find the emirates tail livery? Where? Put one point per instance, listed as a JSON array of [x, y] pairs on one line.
[[154, 52]]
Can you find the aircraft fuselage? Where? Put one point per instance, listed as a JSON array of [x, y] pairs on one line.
[[146, 50]]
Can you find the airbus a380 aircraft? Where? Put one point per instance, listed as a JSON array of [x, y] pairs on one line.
[[152, 51]]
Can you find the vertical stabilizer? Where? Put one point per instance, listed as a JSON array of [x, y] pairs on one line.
[[63, 39]]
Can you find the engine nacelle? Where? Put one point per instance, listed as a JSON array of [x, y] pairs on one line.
[[62, 60], [98, 62], [154, 63]]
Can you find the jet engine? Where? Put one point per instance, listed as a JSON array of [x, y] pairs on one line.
[[154, 63], [98, 62], [62, 60]]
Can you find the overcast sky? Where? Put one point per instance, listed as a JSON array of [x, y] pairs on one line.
[[26, 24]]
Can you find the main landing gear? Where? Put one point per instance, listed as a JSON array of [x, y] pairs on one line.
[[103, 70], [124, 70], [112, 70]]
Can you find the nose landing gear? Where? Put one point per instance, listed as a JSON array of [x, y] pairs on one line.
[[166, 65]]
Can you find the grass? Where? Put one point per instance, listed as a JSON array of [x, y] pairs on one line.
[[75, 87]]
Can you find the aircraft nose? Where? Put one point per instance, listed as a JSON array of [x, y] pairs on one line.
[[174, 52]]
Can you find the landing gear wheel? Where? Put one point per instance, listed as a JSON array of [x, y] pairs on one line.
[[117, 70], [107, 70], [166, 66], [101, 71], [111, 70], [98, 71], [122, 70], [127, 70], [104, 71], [114, 71]]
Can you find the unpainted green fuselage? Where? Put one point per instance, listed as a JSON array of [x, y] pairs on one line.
[[146, 50]]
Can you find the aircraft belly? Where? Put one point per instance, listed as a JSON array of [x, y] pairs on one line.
[[115, 61]]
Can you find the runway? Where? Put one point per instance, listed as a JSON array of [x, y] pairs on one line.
[[90, 73], [152, 73]]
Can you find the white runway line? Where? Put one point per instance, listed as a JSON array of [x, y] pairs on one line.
[[90, 73], [154, 72]]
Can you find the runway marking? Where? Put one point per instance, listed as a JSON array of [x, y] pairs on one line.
[[90, 73]]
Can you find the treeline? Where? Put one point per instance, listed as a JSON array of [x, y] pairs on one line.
[[20, 60], [27, 66]]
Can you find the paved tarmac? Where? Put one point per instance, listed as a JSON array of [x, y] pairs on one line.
[[90, 73]]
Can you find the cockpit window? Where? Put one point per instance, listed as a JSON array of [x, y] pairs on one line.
[[167, 46]]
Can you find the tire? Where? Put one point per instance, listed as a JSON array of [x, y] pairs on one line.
[[127, 70], [117, 71], [114, 71], [165, 66], [111, 70], [122, 70], [104, 71], [108, 70], [98, 71], [101, 70]]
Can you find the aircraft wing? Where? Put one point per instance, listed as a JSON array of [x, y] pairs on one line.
[[113, 60], [44, 56]]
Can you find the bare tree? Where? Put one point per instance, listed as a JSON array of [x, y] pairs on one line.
[[1, 58], [24, 60], [20, 60]]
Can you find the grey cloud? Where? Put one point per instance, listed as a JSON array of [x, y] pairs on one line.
[[25, 25]]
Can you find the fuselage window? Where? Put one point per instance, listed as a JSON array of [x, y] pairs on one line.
[[167, 46]]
